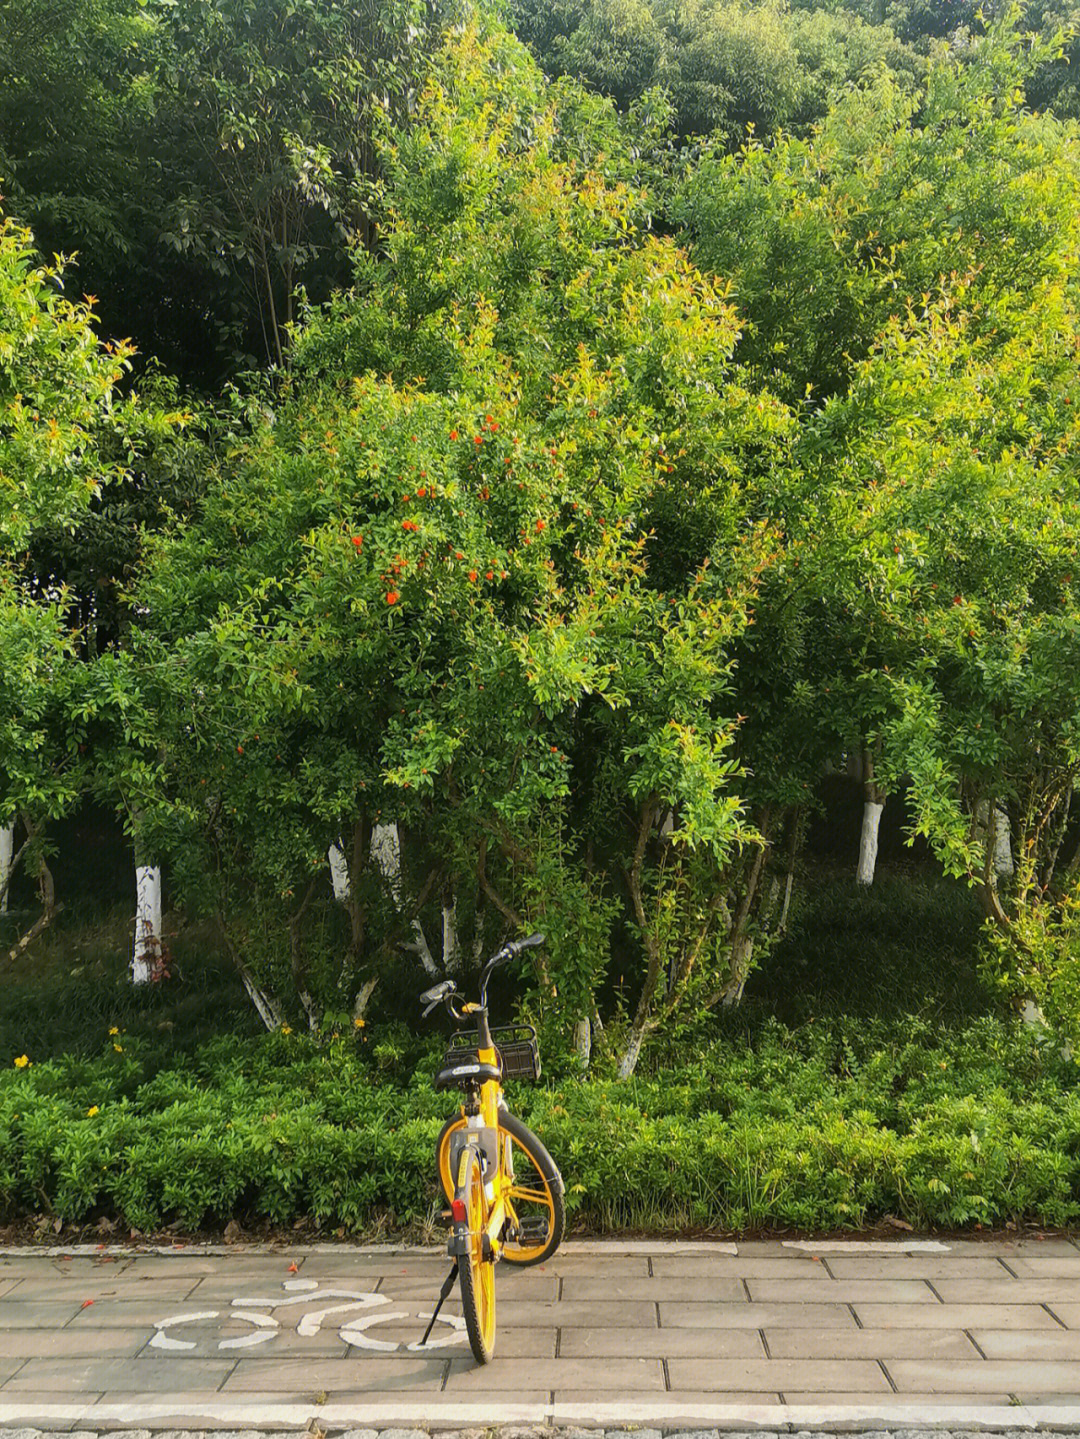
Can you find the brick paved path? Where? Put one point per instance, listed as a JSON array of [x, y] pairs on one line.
[[765, 1335]]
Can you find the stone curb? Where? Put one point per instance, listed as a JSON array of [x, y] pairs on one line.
[[998, 1430]]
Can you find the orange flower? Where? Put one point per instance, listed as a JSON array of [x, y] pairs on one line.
[[472, 576], [409, 525], [358, 541], [541, 525], [421, 492], [489, 575], [392, 597], [478, 439], [453, 434]]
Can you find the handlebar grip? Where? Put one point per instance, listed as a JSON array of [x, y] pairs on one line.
[[517, 945]]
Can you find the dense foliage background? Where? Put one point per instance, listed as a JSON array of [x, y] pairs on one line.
[[550, 451]]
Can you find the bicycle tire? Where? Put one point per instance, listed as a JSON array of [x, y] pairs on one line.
[[539, 1192], [476, 1275]]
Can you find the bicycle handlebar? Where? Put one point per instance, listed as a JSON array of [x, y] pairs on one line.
[[444, 993]]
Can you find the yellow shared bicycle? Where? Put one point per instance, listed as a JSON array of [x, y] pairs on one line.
[[505, 1192]]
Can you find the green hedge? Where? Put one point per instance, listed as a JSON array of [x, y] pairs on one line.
[[818, 1127]]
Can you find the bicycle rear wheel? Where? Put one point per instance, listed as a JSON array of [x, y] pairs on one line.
[[535, 1199], [476, 1274]]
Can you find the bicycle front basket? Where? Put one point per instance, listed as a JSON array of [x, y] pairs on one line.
[[518, 1050]]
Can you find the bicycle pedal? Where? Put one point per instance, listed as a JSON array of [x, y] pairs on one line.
[[533, 1230]]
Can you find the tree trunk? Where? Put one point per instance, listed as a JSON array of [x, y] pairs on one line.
[[628, 1063], [583, 1042], [873, 804], [265, 1004], [7, 851], [386, 852], [339, 873], [742, 944], [146, 952], [451, 955]]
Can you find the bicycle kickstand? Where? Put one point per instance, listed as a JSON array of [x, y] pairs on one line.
[[447, 1286]]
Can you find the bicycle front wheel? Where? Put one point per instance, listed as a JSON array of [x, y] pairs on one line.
[[535, 1202], [476, 1274]]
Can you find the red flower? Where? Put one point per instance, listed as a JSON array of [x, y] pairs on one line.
[[421, 492], [541, 525], [478, 439], [472, 576], [409, 525], [392, 597], [957, 600], [453, 434], [458, 555], [489, 575], [358, 540]]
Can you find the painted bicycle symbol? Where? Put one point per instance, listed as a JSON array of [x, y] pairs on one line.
[[374, 1309]]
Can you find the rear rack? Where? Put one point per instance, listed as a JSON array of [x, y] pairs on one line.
[[516, 1045]]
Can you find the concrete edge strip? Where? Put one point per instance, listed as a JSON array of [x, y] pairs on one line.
[[871, 1246], [161, 1414]]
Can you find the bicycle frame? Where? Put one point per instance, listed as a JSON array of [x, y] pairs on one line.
[[496, 1182]]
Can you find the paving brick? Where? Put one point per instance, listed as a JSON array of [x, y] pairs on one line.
[[660, 1343], [1069, 1314], [714, 1288], [620, 1375], [776, 1374], [1028, 1344], [914, 1266], [140, 1376], [835, 1291], [632, 1434], [981, 1376], [575, 1313], [142, 1313], [742, 1266], [869, 1344], [682, 1411], [565, 1264], [1007, 1290], [1039, 1266], [882, 1404], [759, 1316], [954, 1316], [288, 1378], [68, 1344], [14, 1315]]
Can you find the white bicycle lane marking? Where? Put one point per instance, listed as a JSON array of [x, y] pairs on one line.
[[303, 1291]]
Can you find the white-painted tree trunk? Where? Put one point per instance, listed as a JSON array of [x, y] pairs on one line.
[[363, 996], [147, 948], [1003, 859], [868, 842], [583, 1042], [386, 852], [339, 873], [742, 957], [451, 952], [7, 850], [628, 1063], [264, 1003]]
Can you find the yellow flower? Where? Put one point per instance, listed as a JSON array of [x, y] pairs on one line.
[[119, 1048], [358, 1024], [286, 1029], [114, 1030], [21, 1062], [92, 1111]]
